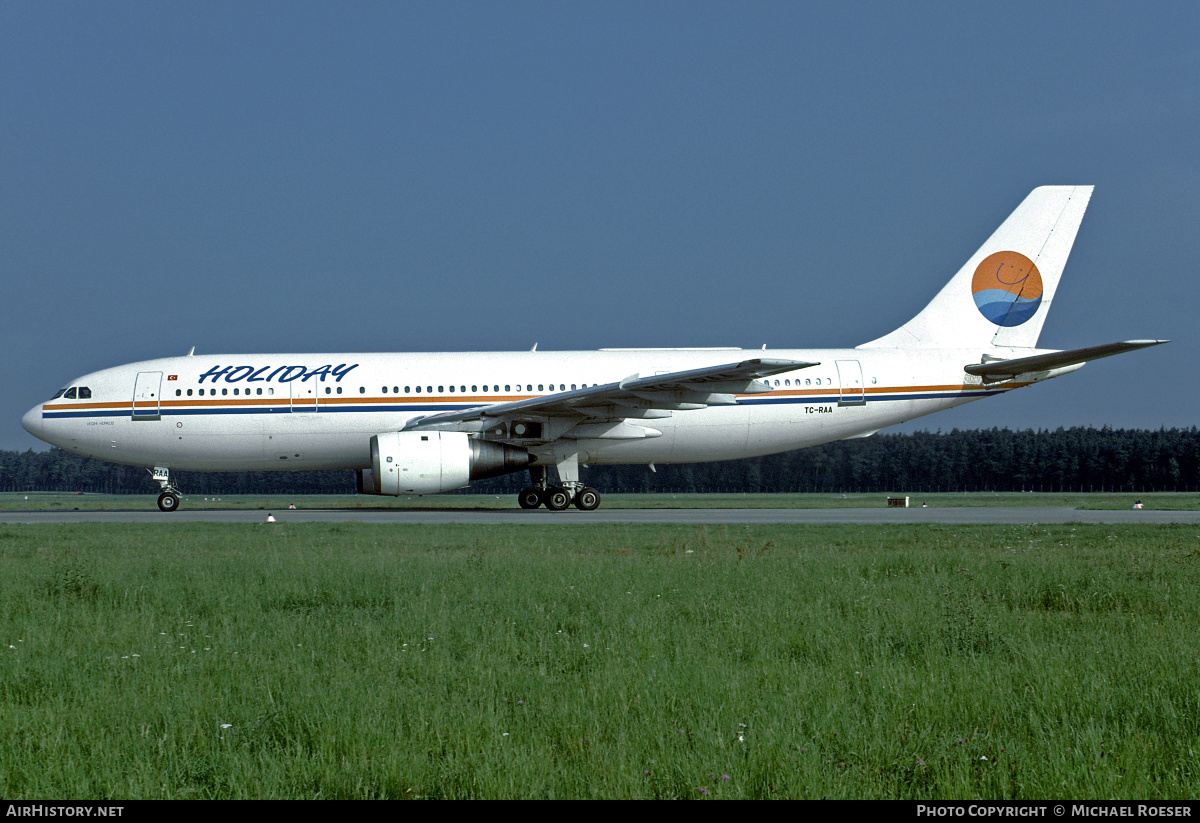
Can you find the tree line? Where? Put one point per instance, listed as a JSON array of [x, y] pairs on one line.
[[1063, 460]]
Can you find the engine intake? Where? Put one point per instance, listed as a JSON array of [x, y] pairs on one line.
[[432, 462]]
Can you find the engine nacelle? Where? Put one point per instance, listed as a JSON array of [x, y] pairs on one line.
[[430, 462]]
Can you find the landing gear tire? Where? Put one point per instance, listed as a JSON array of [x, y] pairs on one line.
[[587, 500], [168, 502], [556, 499], [530, 498]]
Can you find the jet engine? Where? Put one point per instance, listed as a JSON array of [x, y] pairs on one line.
[[431, 461]]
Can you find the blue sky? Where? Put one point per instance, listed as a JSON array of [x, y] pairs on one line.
[[257, 177]]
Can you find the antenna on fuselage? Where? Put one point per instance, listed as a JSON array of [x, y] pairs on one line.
[[191, 351]]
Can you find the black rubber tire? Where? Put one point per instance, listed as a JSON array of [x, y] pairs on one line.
[[556, 499], [529, 498], [587, 500], [168, 502]]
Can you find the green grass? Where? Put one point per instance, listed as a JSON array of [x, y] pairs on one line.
[[63, 501], [355, 661]]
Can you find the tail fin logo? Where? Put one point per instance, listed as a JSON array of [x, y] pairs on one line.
[[1007, 288]]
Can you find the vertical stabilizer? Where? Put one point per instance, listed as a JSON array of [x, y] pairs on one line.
[[1003, 293]]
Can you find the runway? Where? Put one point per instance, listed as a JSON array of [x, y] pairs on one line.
[[1016, 515]]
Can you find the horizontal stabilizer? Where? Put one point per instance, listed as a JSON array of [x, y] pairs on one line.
[[1002, 369]]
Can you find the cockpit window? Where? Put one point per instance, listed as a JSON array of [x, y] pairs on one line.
[[70, 395], [58, 394], [84, 393]]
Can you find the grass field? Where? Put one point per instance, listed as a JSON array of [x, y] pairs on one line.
[[358, 661], [62, 501]]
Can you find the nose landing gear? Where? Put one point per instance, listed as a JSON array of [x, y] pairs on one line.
[[168, 501]]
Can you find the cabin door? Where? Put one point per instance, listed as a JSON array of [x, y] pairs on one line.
[[146, 390], [851, 378]]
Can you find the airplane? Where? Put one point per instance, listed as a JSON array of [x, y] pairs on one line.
[[426, 423]]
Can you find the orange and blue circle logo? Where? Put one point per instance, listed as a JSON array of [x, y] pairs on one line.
[[1007, 288]]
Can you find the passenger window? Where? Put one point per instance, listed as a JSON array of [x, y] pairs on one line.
[[190, 392], [224, 391], [362, 389], [178, 392], [451, 389]]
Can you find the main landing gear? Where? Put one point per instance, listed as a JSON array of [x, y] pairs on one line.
[[557, 498], [168, 501]]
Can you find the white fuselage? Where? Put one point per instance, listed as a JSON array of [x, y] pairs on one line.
[[319, 411]]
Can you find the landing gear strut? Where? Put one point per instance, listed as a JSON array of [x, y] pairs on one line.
[[168, 501], [557, 498]]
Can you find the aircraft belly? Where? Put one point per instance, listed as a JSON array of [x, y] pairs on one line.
[[325, 441], [227, 443], [717, 433], [785, 427], [215, 452]]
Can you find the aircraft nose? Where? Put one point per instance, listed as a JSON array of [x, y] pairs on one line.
[[32, 421]]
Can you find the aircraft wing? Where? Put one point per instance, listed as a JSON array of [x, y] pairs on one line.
[[1005, 369], [637, 396]]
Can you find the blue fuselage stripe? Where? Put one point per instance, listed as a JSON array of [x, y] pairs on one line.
[[326, 408]]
